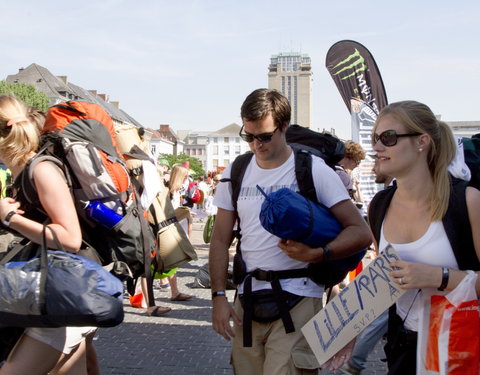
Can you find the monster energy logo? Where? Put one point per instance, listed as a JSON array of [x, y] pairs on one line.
[[357, 65]]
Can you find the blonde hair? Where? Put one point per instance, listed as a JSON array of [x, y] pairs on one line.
[[354, 151], [19, 137], [177, 178], [417, 117], [37, 117]]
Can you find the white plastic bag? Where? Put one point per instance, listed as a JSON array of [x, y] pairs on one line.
[[449, 332]]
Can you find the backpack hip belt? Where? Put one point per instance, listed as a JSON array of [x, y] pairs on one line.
[[263, 275], [283, 307]]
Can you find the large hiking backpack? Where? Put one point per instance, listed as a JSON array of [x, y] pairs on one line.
[[81, 136]]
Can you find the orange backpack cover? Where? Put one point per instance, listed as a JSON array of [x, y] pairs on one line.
[[82, 121]]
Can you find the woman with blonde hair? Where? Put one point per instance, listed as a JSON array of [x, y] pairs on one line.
[[176, 188], [39, 350], [419, 217]]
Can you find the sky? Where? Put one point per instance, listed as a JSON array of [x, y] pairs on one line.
[[191, 63]]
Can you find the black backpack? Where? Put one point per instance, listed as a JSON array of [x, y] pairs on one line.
[[471, 152], [328, 147]]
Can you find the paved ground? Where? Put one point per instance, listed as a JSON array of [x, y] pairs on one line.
[[181, 342]]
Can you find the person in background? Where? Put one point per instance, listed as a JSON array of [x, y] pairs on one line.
[[414, 216], [347, 169], [164, 169], [40, 350], [202, 185], [175, 186], [5, 179]]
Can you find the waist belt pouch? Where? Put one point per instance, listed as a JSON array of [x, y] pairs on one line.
[[265, 306]]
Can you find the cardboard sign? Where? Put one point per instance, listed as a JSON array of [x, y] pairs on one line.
[[354, 308]]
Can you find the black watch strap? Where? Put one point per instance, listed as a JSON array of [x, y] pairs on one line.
[[219, 293], [6, 221], [445, 277]]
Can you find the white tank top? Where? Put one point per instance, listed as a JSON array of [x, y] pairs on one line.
[[432, 248]]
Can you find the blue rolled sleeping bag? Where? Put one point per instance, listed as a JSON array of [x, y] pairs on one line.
[[291, 216]]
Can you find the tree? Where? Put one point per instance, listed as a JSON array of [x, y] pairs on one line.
[[195, 164], [28, 93]]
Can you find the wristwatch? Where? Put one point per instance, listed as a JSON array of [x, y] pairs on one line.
[[6, 221], [219, 293]]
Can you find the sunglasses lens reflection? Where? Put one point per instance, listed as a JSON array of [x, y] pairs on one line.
[[388, 138]]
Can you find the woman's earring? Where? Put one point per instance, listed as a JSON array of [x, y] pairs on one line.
[[420, 149]]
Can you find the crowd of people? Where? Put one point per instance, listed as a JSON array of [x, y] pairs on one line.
[[273, 301]]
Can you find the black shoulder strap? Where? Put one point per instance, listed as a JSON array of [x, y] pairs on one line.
[[378, 209], [458, 227], [303, 173], [239, 166]]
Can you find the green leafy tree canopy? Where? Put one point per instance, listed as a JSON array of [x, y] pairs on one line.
[[28, 93], [195, 164]]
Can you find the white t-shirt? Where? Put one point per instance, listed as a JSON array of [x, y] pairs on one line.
[[432, 248], [259, 247]]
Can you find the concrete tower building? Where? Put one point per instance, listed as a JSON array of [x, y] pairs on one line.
[[291, 74]]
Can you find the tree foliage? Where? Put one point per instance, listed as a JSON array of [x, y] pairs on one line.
[[195, 164], [28, 93]]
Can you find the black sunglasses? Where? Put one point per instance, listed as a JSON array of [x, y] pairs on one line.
[[262, 138], [390, 137]]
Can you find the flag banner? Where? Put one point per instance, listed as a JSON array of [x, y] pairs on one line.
[[363, 121], [354, 308], [356, 74]]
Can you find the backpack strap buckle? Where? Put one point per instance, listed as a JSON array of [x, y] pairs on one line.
[[264, 275]]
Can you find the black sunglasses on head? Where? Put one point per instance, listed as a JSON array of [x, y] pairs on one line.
[[389, 138], [262, 138]]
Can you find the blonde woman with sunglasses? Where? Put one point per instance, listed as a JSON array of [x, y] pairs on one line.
[[415, 217]]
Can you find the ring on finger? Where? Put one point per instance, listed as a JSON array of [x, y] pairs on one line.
[[400, 281]]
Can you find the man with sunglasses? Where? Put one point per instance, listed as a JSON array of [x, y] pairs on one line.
[[266, 116]]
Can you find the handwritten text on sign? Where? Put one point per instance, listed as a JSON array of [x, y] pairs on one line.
[[350, 312]]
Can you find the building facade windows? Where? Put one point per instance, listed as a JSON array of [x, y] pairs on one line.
[[290, 73]]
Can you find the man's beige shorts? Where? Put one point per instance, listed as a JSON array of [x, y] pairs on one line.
[[273, 351]]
